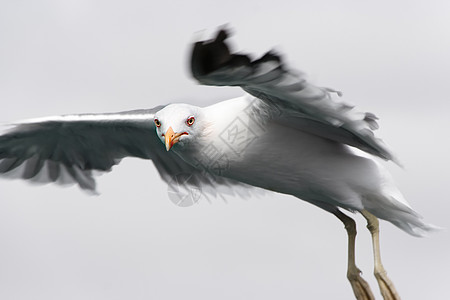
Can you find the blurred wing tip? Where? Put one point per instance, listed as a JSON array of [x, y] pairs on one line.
[[92, 192], [209, 56], [398, 162], [222, 34]]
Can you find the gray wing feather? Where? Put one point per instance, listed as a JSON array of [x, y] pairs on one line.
[[301, 104], [68, 149]]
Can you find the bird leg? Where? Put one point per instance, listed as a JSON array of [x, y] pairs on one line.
[[360, 287], [386, 286]]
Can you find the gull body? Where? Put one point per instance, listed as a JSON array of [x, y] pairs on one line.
[[287, 160], [286, 135]]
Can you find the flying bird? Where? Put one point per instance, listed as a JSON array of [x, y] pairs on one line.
[[285, 135]]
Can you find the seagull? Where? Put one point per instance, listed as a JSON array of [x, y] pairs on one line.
[[284, 135]]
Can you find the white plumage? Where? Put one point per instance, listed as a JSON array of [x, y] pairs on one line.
[[274, 156], [287, 136]]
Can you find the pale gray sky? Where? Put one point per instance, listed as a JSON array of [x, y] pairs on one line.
[[131, 242]]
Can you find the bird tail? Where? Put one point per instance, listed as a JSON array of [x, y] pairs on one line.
[[397, 211]]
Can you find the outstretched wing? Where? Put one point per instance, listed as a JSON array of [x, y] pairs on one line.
[[67, 149], [293, 100]]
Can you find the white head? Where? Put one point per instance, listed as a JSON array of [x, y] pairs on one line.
[[179, 124]]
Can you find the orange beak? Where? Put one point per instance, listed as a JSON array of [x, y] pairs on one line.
[[172, 138]]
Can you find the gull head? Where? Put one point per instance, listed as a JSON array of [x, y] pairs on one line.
[[179, 124]]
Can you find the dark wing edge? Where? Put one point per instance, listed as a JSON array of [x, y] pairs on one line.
[[71, 149], [297, 103]]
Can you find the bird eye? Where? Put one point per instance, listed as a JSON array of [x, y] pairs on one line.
[[190, 121], [157, 123]]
